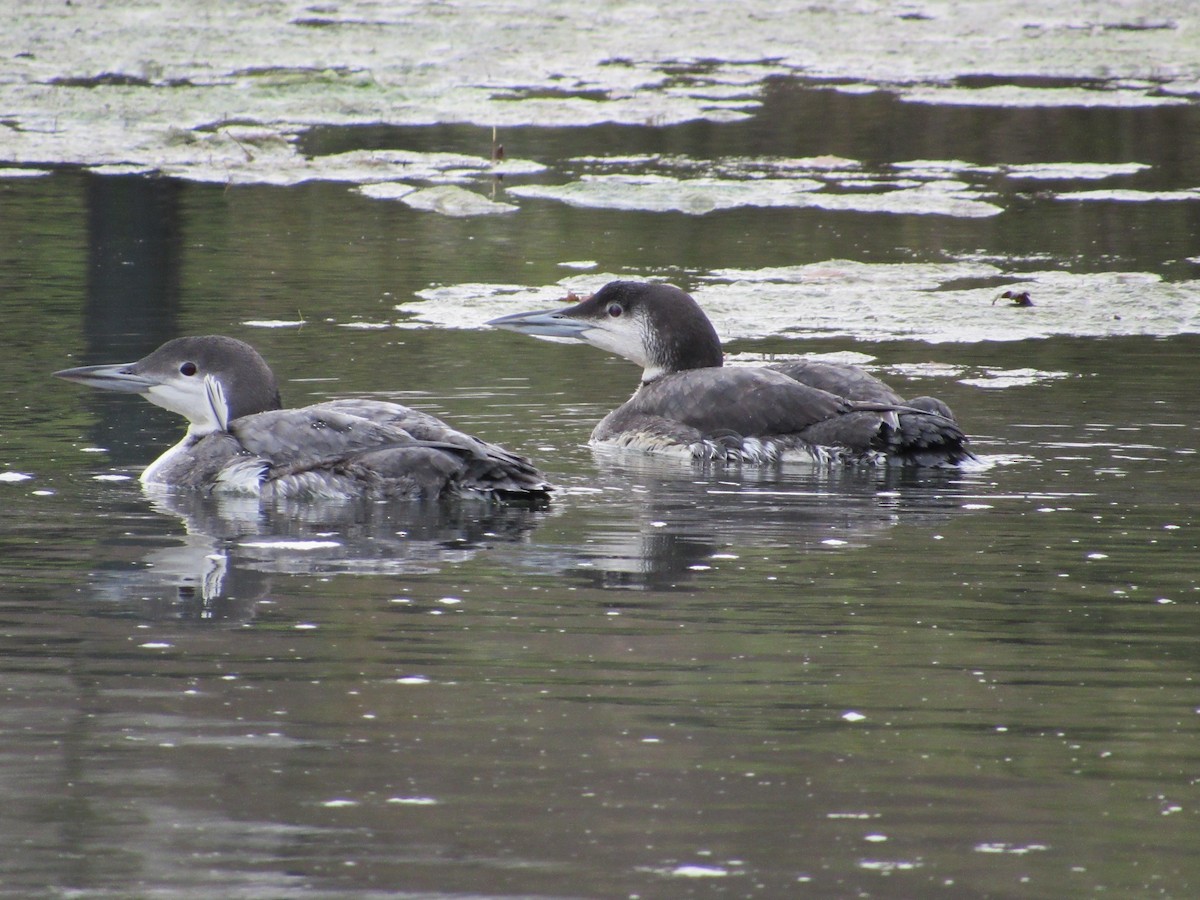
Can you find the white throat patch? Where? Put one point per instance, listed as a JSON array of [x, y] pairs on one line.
[[624, 337]]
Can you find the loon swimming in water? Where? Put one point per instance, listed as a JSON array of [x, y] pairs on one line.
[[241, 440], [688, 403]]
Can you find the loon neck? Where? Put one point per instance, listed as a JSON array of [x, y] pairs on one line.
[[652, 373], [156, 472]]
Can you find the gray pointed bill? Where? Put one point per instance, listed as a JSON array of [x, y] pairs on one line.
[[116, 377], [554, 323]]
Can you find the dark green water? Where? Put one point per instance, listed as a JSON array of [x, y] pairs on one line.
[[673, 682]]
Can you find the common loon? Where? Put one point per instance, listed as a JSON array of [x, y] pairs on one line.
[[241, 440], [687, 403]]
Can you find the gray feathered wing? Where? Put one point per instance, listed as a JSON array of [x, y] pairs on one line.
[[363, 448]]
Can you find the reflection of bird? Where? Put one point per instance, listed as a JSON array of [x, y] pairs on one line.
[[663, 529], [240, 440], [688, 404], [235, 552]]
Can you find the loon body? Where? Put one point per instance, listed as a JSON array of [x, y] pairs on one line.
[[241, 440], [688, 403]]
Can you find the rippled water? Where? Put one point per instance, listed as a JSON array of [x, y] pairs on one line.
[[675, 680]]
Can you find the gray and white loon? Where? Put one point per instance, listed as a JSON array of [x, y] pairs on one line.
[[687, 403], [241, 440]]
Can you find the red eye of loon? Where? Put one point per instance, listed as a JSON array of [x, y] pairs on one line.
[[614, 309], [188, 369]]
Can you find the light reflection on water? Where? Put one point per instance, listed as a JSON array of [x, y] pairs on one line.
[[931, 693], [674, 681]]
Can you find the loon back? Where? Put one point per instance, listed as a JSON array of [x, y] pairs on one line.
[[239, 439], [347, 449], [923, 432], [758, 414]]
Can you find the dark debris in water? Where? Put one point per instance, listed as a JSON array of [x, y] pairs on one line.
[[549, 93], [1140, 25], [116, 79], [1017, 298], [1037, 82]]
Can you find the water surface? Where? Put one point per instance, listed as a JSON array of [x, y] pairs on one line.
[[676, 680]]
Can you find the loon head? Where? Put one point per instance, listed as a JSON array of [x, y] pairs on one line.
[[656, 326], [210, 380]]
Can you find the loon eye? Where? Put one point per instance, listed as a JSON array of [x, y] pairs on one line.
[[614, 310], [188, 369]]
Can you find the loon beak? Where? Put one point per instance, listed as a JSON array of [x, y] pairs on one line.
[[201, 400], [116, 377], [552, 323]]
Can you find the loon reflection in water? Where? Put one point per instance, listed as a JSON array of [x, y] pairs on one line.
[[688, 403], [241, 440]]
